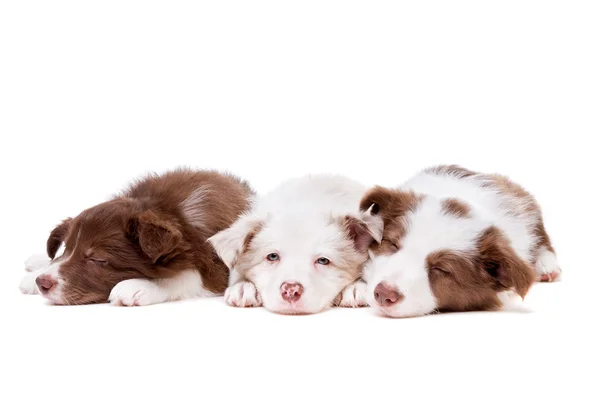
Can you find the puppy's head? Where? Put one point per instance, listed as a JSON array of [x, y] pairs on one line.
[[105, 245], [299, 263], [438, 254]]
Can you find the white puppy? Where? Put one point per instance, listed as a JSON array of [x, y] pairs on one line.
[[299, 247]]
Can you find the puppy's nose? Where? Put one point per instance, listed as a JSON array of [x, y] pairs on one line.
[[386, 295], [291, 291], [45, 283]]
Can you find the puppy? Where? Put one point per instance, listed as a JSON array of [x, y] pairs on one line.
[[147, 245], [455, 240], [298, 247]]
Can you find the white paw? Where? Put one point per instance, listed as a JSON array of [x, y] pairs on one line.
[[37, 261], [547, 267], [243, 294], [136, 292], [28, 285], [354, 295]]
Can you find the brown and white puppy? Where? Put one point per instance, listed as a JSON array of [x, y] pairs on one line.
[[147, 245], [455, 240]]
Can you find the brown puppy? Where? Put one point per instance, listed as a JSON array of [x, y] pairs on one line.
[[147, 245]]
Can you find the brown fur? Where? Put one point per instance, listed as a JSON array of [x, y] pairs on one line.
[[467, 282], [456, 208], [392, 205], [144, 233]]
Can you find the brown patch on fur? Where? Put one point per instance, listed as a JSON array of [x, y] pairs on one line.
[[144, 233], [392, 206], [456, 208], [467, 282]]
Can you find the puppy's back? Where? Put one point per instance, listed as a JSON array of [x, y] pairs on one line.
[[207, 200]]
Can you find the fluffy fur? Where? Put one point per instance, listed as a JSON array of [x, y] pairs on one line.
[[455, 240], [145, 246], [298, 247]]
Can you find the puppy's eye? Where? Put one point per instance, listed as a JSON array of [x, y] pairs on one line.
[[97, 262], [273, 257], [391, 243], [437, 269], [323, 261]]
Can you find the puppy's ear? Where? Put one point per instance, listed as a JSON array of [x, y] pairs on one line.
[[506, 268], [57, 237], [362, 231], [232, 242], [157, 237], [389, 203]]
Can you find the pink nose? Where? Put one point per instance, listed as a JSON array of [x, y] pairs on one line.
[[291, 291], [386, 295], [45, 283]]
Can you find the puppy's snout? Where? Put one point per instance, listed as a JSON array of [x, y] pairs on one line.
[[386, 295], [291, 291], [45, 283]]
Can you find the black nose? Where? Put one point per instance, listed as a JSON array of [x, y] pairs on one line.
[[386, 295], [45, 283]]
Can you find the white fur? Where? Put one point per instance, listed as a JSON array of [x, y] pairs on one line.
[[37, 261], [143, 292], [243, 294], [297, 221], [431, 230], [547, 263], [354, 295], [28, 285], [35, 266]]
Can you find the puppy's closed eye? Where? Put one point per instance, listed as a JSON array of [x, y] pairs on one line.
[[439, 270], [96, 262]]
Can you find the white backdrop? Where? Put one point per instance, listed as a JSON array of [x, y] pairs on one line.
[[93, 94]]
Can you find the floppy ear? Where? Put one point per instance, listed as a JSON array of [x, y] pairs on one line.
[[57, 237], [389, 203], [232, 242], [157, 237], [363, 232], [500, 261]]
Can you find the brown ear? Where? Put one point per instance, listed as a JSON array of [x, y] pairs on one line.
[[500, 261], [362, 233], [57, 237], [389, 203], [157, 237]]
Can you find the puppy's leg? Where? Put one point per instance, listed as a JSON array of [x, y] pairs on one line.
[[547, 267], [37, 261], [28, 285], [142, 292], [354, 295], [241, 293]]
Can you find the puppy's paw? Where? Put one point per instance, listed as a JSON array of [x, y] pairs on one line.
[[37, 261], [28, 285], [136, 292], [547, 267], [243, 294], [354, 295]]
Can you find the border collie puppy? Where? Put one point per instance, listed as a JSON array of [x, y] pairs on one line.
[[455, 240], [146, 246], [299, 247]]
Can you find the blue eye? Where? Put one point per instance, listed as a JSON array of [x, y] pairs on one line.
[[273, 257], [323, 261]]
